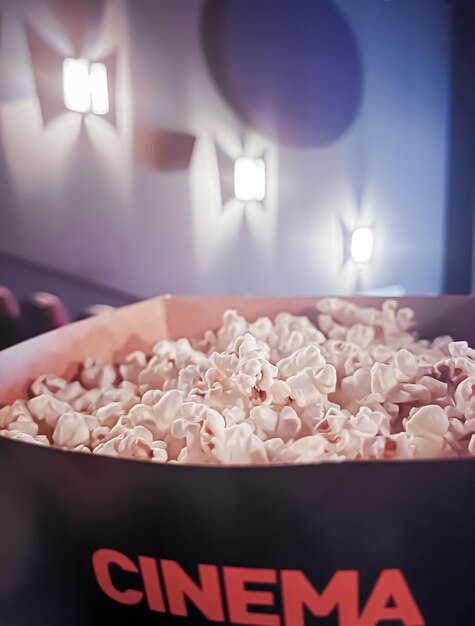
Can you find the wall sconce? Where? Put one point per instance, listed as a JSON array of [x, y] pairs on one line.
[[362, 245], [99, 89], [249, 179], [85, 86]]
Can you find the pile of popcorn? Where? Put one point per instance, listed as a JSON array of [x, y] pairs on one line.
[[360, 386]]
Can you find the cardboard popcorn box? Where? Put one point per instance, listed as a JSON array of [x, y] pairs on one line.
[[87, 540]]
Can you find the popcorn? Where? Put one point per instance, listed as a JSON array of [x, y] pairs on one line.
[[48, 408], [10, 414], [47, 384], [16, 422], [27, 438], [361, 385], [239, 445], [95, 375], [71, 430], [429, 422], [464, 397], [270, 424], [305, 450]]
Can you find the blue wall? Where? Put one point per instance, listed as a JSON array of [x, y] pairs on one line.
[[376, 73]]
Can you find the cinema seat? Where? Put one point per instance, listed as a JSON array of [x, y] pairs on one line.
[[10, 327], [42, 312]]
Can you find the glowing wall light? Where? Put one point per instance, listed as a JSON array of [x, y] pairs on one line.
[[76, 85], [362, 245], [85, 86], [99, 90], [249, 179]]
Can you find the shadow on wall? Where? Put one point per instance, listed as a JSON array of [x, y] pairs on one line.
[[294, 74], [80, 20]]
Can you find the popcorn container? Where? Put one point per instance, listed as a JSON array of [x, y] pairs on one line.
[[88, 540]]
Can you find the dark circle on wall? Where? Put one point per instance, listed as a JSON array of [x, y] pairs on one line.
[[292, 69]]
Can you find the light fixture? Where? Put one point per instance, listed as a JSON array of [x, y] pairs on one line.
[[249, 179], [76, 86], [362, 245], [85, 86], [99, 91]]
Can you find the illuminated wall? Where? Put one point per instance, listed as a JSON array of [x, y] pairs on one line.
[[347, 102]]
